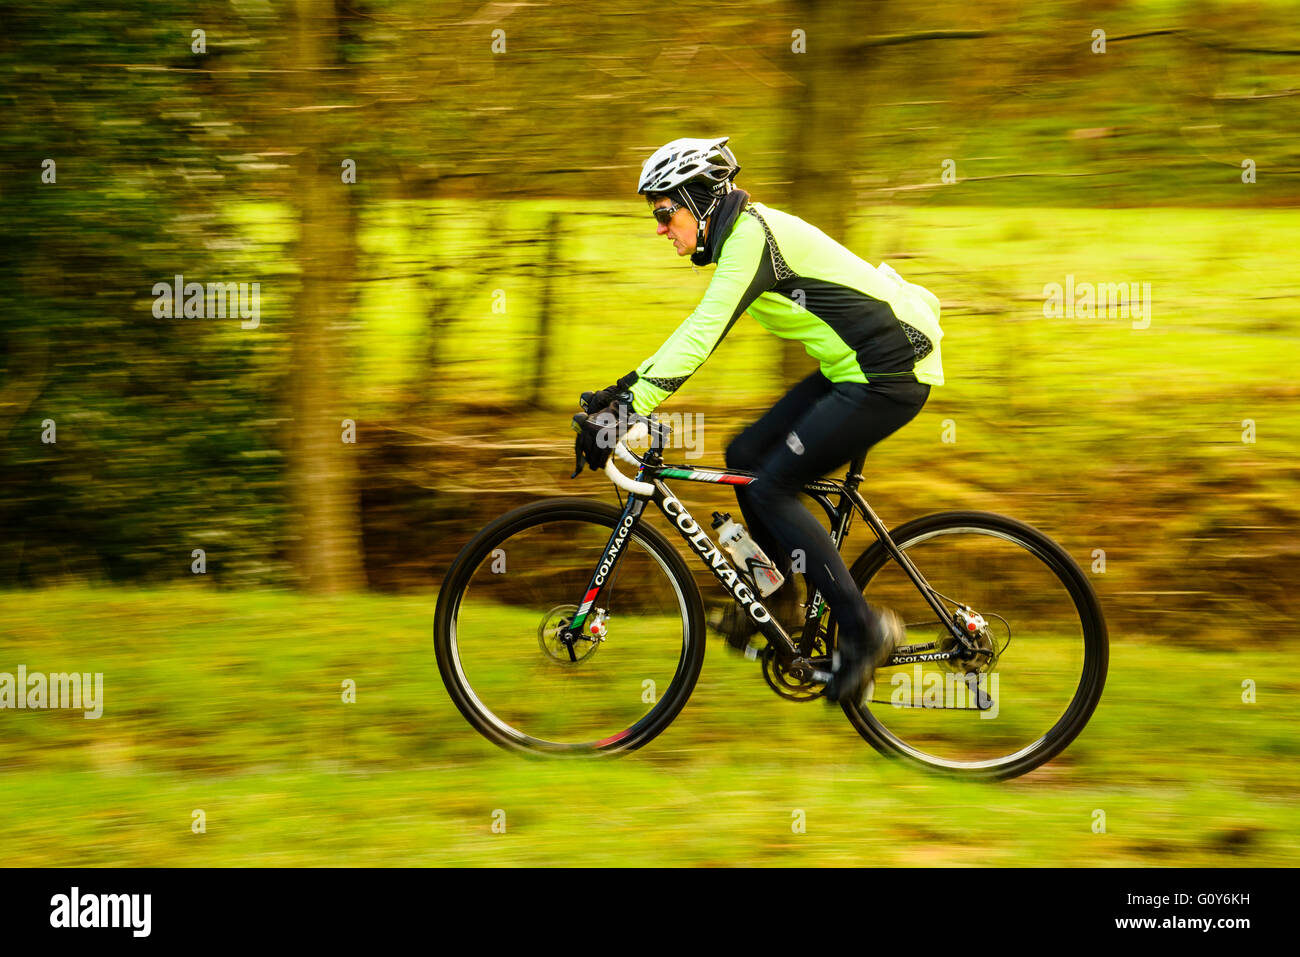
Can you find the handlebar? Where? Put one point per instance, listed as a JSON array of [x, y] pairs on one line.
[[639, 430]]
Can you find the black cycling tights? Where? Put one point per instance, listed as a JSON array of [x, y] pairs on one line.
[[818, 426]]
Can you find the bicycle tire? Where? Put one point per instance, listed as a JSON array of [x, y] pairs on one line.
[[1095, 645], [457, 579]]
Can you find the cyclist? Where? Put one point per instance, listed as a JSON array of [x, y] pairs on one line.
[[874, 335]]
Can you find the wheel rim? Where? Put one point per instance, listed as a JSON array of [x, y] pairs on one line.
[[1018, 707], [512, 671]]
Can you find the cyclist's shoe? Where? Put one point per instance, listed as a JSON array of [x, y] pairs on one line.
[[736, 627], [856, 664], [739, 630]]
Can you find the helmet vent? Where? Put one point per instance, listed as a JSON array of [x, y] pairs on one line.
[[684, 160]]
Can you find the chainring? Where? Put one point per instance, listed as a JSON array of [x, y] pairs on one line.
[[792, 689]]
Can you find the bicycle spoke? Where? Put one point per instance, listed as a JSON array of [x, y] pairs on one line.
[[509, 653], [975, 715]]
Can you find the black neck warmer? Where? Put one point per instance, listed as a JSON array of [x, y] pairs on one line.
[[720, 224]]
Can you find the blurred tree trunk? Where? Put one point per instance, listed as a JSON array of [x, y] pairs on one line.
[[820, 117], [323, 468], [550, 271]]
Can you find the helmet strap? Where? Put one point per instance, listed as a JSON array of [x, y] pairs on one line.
[[701, 219], [701, 224]]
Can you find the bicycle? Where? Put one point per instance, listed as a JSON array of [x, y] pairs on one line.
[[543, 655]]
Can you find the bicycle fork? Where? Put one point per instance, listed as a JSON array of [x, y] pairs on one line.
[[583, 619]]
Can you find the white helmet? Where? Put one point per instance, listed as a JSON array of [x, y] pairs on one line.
[[681, 161]]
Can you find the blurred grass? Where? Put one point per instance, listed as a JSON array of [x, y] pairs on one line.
[[230, 702]]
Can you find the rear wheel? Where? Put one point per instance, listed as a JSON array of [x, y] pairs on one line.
[[518, 583], [1040, 648]]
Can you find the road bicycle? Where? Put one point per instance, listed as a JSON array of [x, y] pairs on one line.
[[574, 627]]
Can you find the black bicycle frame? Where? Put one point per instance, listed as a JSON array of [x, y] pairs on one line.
[[736, 585]]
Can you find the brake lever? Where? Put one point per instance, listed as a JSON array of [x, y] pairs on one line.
[[579, 458]]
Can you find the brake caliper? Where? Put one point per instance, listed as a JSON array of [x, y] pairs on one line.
[[979, 641]]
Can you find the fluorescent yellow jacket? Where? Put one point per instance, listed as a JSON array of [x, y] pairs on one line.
[[860, 322]]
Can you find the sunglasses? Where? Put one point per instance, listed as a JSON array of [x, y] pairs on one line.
[[664, 214]]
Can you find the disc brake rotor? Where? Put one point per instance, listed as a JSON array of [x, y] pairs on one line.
[[980, 635], [549, 640]]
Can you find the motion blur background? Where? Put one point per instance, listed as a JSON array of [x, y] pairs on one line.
[[438, 204]]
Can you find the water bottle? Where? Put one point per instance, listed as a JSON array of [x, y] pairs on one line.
[[746, 554]]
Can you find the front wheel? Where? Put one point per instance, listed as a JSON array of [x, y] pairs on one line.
[[1039, 652], [516, 586]]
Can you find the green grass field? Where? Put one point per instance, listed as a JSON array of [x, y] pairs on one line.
[[230, 703]]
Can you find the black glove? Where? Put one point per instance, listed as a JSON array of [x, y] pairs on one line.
[[603, 424], [620, 391]]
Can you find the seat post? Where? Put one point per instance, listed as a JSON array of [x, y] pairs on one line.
[[854, 477]]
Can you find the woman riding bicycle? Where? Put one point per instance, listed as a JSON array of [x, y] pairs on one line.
[[874, 335]]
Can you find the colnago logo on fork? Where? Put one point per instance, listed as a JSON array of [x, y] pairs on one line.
[[615, 547], [606, 563], [611, 554]]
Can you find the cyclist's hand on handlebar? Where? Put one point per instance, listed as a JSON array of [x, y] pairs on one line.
[[620, 392], [597, 435], [606, 419]]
